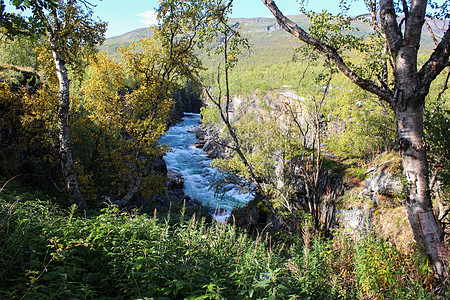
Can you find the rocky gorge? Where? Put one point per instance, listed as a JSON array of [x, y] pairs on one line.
[[352, 203]]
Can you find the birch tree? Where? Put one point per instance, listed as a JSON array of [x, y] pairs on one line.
[[14, 24], [404, 89], [71, 33]]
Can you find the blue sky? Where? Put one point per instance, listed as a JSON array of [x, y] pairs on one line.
[[126, 15]]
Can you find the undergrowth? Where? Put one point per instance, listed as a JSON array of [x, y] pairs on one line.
[[48, 252]]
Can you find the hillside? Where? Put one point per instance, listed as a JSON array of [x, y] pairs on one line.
[[269, 42], [112, 44], [265, 36]]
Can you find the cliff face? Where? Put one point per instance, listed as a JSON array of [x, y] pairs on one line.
[[211, 140], [270, 107], [372, 199], [274, 128], [187, 99]]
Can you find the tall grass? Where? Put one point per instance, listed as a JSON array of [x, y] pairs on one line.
[[52, 253]]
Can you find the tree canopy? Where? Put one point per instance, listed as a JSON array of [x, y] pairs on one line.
[[14, 23]]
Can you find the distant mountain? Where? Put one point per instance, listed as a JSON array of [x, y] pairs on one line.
[[264, 30], [112, 44], [270, 43], [264, 35]]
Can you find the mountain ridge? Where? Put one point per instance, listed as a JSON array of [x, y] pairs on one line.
[[264, 32]]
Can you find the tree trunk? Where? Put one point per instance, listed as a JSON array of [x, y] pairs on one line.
[[65, 148], [407, 100], [426, 229], [131, 193]]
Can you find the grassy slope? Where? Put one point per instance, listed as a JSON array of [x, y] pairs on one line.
[[265, 36], [268, 65]]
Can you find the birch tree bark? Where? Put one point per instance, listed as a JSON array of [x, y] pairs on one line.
[[407, 99], [70, 31], [65, 147]]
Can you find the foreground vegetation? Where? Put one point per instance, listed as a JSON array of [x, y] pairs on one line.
[[49, 252], [119, 109]]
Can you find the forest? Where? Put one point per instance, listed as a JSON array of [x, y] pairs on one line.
[[338, 126]]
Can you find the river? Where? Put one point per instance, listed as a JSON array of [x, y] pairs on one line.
[[193, 164]]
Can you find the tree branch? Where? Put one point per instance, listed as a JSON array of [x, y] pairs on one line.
[[437, 62], [328, 51], [1, 189], [414, 24], [390, 26], [433, 36]]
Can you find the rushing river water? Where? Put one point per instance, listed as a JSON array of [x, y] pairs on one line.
[[193, 164]]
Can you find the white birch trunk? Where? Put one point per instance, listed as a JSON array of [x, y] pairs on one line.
[[65, 148], [407, 100], [427, 231]]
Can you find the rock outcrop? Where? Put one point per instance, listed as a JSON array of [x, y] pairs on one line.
[[18, 78], [381, 185], [268, 107], [378, 196], [211, 141]]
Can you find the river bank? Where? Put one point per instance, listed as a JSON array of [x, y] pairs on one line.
[[193, 164]]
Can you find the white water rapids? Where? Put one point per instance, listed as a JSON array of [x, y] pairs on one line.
[[193, 164]]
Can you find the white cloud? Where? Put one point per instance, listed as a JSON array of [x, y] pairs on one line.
[[148, 18]]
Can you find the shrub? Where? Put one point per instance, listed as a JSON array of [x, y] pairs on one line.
[[54, 253]]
